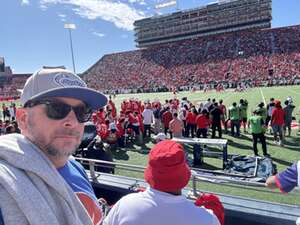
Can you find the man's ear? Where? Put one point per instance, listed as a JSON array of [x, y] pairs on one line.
[[21, 116]]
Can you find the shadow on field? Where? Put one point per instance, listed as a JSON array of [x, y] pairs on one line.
[[239, 145], [269, 138], [280, 161], [246, 136], [292, 143], [207, 166]]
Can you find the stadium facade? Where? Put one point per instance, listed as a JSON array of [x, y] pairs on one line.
[[214, 18]]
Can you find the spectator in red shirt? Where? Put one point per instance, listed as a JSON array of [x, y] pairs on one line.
[[191, 122], [102, 129], [202, 122], [224, 115], [100, 115], [94, 118], [111, 107], [124, 106], [277, 122], [134, 124], [166, 118]]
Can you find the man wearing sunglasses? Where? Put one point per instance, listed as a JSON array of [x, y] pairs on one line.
[[39, 184]]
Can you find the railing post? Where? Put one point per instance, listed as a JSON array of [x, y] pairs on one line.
[[194, 183], [225, 156], [92, 171]]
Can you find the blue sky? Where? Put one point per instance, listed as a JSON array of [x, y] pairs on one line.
[[32, 32]]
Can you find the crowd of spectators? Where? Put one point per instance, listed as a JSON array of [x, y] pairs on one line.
[[260, 58], [10, 88], [138, 121], [8, 123]]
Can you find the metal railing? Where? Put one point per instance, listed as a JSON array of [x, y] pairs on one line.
[[238, 209], [198, 175]]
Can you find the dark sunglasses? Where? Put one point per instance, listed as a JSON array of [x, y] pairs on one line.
[[58, 110]]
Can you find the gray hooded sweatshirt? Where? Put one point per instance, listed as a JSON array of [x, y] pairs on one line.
[[31, 190]]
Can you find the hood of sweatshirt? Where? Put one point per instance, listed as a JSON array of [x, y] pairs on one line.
[[20, 152]]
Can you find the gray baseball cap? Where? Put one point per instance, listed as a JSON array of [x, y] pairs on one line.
[[59, 82]]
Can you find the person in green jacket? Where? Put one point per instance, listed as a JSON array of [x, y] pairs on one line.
[[262, 110], [256, 123], [234, 116]]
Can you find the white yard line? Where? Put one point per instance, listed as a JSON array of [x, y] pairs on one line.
[[262, 95]]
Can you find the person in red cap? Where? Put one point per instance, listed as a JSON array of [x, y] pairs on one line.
[[162, 202], [277, 122]]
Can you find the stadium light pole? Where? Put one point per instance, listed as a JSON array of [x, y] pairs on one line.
[[69, 27], [177, 5]]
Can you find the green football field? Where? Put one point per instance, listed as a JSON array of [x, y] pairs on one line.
[[281, 156]]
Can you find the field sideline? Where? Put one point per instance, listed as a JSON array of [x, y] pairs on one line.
[[281, 156]]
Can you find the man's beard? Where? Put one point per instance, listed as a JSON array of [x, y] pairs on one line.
[[52, 151], [48, 148]]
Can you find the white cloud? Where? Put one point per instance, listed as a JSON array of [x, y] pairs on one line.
[[98, 34], [25, 2], [43, 7], [62, 15], [141, 2], [120, 14]]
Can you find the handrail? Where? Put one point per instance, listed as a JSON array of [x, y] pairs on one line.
[[195, 178]]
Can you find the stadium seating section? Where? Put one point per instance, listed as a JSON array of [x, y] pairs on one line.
[[10, 88], [258, 56]]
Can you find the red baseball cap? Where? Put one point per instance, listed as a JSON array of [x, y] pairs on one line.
[[167, 169], [277, 103]]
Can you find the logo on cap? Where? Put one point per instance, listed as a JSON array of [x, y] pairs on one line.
[[68, 80]]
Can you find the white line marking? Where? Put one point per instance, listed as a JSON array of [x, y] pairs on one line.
[[262, 95]]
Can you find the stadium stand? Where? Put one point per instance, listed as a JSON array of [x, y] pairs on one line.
[[11, 84], [214, 18], [257, 57]]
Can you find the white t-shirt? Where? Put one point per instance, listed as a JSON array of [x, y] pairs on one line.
[[182, 114], [148, 116], [154, 207], [11, 112]]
